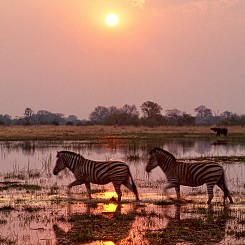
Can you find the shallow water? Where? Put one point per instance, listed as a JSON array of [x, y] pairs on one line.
[[47, 216]]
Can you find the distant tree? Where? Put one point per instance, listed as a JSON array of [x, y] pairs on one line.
[[151, 113], [27, 115], [129, 115], [44, 117], [173, 116], [227, 114], [6, 119], [99, 115], [151, 109], [72, 118], [187, 119], [204, 115], [203, 112], [176, 117], [130, 110]]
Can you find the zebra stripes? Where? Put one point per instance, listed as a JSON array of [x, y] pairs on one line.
[[87, 171], [188, 174]]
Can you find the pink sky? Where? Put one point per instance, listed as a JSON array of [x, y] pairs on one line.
[[58, 55]]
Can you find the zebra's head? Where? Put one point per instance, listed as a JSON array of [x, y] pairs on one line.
[[59, 164], [152, 162]]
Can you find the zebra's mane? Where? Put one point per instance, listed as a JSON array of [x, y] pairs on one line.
[[161, 151], [70, 153]]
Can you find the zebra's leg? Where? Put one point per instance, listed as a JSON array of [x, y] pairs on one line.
[[173, 184], [133, 189], [226, 191], [210, 187], [177, 189], [118, 191], [87, 184], [74, 183]]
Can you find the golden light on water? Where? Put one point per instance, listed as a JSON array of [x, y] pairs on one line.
[[111, 207], [110, 194], [108, 243]]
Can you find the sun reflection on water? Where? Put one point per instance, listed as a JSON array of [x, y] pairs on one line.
[[100, 243], [110, 194], [111, 207]]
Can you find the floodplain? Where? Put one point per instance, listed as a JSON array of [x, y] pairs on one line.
[[35, 208]]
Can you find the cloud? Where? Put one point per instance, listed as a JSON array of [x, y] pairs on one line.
[[192, 5], [137, 3]]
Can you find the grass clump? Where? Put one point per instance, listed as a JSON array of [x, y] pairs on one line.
[[20, 186], [6, 241]]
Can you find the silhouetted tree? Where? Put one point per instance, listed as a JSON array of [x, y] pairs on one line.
[[6, 119], [204, 115], [151, 113], [151, 109], [27, 115], [44, 117], [176, 117], [99, 114]]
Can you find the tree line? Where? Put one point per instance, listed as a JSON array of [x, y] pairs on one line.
[[129, 115]]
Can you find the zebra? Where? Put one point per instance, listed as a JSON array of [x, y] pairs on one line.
[[88, 171], [188, 174]]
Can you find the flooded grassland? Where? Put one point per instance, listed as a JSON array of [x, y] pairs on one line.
[[35, 208]]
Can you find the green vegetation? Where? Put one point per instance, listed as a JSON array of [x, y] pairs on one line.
[[225, 159], [129, 115], [20, 186], [27, 136]]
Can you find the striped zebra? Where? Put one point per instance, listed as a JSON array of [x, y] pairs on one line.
[[87, 171], [188, 174]]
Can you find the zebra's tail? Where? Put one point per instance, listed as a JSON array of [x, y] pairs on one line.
[[134, 186]]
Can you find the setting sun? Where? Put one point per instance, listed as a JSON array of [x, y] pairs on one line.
[[112, 20]]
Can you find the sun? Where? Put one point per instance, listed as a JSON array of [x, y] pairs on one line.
[[112, 20]]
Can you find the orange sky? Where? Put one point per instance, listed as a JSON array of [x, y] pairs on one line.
[[60, 56]]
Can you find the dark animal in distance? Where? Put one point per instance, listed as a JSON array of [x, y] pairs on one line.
[[97, 172], [188, 174], [220, 131]]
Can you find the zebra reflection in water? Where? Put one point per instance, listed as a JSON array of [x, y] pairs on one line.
[[91, 226], [207, 226], [87, 171], [188, 174]]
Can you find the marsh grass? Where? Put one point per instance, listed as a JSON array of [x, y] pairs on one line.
[[6, 241], [3, 222], [7, 208], [20, 186], [95, 132], [224, 159]]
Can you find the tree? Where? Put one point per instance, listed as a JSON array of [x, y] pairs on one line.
[[151, 113], [173, 116], [176, 117], [5, 120], [98, 116], [204, 115], [45, 118], [151, 109], [72, 118], [28, 114], [127, 115], [130, 110]]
